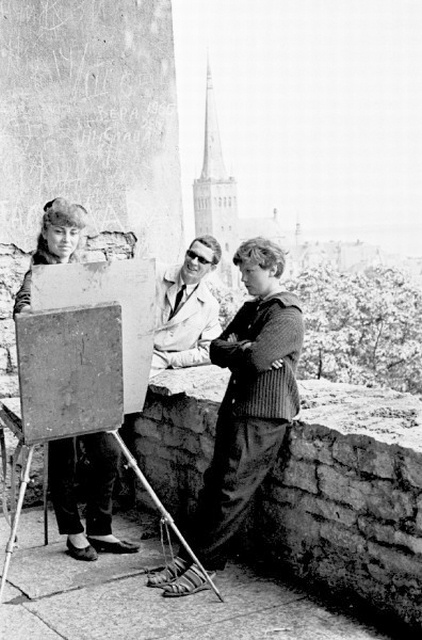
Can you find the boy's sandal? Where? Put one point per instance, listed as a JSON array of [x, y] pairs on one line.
[[189, 583], [169, 574]]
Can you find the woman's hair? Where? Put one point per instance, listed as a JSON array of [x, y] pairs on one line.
[[62, 213], [262, 252]]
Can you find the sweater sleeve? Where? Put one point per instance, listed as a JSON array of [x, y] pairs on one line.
[[281, 334], [23, 296]]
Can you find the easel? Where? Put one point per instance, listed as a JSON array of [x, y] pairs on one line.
[[71, 381]]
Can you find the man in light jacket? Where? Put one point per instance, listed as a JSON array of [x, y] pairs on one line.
[[186, 317]]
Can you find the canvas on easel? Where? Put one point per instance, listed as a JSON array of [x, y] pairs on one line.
[[70, 372], [131, 283]]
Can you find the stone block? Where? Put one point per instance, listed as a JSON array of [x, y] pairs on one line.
[[346, 539], [375, 530], [4, 360], [301, 475], [295, 531], [6, 303], [379, 573], [153, 409], [148, 428], [184, 413], [396, 562], [412, 543], [8, 336], [418, 518], [387, 503], [329, 510], [345, 453], [411, 469], [342, 488], [316, 450], [377, 460]]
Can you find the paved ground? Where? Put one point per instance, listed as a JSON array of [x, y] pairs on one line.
[[50, 596]]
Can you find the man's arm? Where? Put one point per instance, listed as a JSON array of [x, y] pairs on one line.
[[199, 353]]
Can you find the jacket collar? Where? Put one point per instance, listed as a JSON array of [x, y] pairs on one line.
[[286, 298], [171, 276]]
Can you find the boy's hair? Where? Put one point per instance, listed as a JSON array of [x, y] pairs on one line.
[[262, 252], [211, 243]]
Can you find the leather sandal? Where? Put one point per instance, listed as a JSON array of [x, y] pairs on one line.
[[170, 573], [190, 582]]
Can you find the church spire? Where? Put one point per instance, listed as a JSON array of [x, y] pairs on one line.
[[213, 166]]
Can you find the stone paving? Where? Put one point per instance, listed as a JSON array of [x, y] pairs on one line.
[[50, 596]]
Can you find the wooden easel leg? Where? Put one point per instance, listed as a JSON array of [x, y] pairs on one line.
[[45, 493], [11, 543], [15, 457], [4, 469], [166, 516]]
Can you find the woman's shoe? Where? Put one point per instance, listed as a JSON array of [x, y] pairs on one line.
[[120, 546], [85, 553]]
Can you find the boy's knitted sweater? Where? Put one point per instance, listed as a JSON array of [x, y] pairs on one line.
[[275, 330]]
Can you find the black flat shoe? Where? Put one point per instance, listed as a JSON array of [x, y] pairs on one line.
[[114, 547], [86, 553]]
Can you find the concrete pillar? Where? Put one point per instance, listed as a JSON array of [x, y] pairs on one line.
[[88, 112]]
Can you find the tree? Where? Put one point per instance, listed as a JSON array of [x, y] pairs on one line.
[[362, 328]]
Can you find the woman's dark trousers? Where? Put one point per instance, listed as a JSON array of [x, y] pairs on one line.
[[103, 453]]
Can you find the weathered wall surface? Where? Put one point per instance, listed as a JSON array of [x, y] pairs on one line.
[[343, 504], [88, 111], [88, 104]]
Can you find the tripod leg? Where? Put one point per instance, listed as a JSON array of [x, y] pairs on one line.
[[4, 468], [45, 492], [15, 457], [166, 516], [11, 542]]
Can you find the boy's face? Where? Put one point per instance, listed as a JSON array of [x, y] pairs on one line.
[[258, 281]]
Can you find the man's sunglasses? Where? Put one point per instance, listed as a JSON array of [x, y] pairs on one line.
[[192, 255]]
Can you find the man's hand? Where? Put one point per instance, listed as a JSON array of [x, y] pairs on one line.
[[232, 338]]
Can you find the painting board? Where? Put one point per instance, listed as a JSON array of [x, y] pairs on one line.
[[131, 283], [70, 371]]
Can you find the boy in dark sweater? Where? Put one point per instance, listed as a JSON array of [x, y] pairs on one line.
[[261, 347]]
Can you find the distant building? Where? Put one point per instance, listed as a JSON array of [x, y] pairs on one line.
[[215, 193], [216, 213]]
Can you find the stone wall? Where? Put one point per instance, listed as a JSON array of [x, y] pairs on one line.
[[343, 506]]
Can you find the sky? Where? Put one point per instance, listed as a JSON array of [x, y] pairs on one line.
[[319, 106]]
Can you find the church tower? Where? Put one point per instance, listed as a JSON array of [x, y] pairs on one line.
[[215, 193]]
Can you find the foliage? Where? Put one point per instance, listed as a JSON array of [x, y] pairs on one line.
[[363, 328], [230, 300]]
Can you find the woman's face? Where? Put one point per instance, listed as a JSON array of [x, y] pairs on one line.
[[62, 241]]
